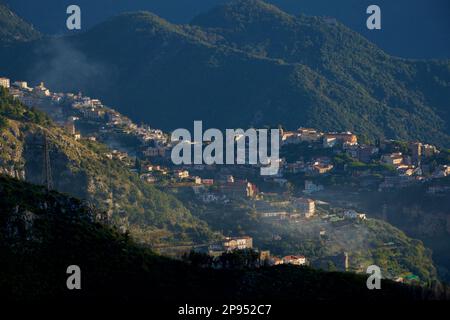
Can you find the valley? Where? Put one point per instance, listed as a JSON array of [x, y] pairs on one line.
[[98, 165], [219, 198], [288, 70]]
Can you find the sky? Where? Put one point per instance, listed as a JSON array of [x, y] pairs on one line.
[[410, 28]]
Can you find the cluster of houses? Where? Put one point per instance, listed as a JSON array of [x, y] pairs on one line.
[[317, 166], [118, 155], [299, 210], [328, 140], [68, 109], [409, 168], [265, 258], [224, 190], [229, 244], [295, 209]]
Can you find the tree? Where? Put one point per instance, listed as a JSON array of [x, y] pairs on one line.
[[3, 122], [137, 165], [198, 259], [239, 259]]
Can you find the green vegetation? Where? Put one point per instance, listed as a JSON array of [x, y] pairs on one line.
[[419, 214], [236, 259], [365, 241], [351, 83], [13, 28], [306, 151], [82, 169], [3, 122], [13, 109], [398, 254], [42, 233], [276, 68]]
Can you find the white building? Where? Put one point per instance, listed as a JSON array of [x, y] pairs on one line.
[[237, 243], [309, 135], [329, 142], [394, 159], [305, 207], [181, 174], [273, 214], [295, 260], [41, 90], [21, 84], [4, 82], [352, 214]]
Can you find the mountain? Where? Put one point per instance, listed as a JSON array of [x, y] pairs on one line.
[[246, 63], [83, 169], [353, 83], [410, 28], [42, 233], [13, 28]]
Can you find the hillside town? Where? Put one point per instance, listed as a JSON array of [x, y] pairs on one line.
[[309, 158], [83, 116], [89, 118], [313, 154]]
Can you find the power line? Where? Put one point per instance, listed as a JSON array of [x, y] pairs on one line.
[[48, 181]]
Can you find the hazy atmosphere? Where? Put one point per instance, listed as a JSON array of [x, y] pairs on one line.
[[225, 158]]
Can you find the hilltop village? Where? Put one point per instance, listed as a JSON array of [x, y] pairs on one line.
[[311, 162]]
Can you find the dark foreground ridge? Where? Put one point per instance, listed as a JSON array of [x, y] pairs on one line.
[[42, 233]]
